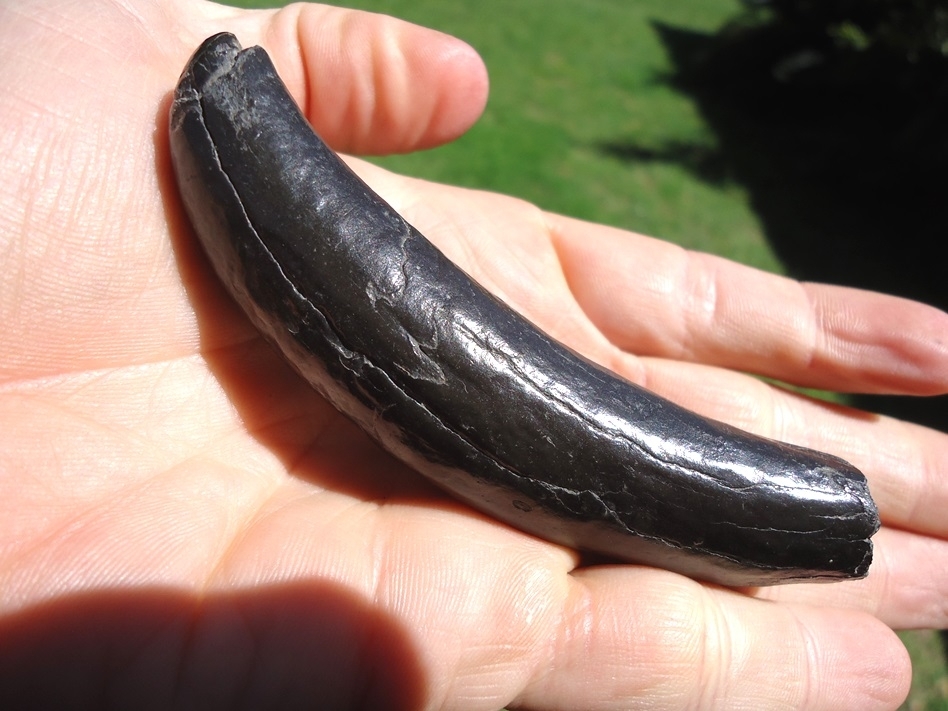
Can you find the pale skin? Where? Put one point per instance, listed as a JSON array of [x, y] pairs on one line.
[[183, 523]]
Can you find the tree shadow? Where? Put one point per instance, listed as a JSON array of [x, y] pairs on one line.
[[843, 154], [296, 645], [706, 162]]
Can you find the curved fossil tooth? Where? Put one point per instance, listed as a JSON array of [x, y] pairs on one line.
[[450, 380]]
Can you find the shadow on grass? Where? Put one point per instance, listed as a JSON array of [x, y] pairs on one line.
[[844, 156]]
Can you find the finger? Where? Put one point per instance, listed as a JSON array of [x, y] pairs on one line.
[[369, 83], [653, 298], [907, 585], [640, 638]]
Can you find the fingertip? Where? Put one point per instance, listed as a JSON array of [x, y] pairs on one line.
[[374, 84], [874, 668], [882, 344], [471, 86]]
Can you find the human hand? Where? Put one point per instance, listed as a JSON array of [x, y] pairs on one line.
[[184, 524]]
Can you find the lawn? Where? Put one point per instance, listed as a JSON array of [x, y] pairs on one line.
[[583, 119], [570, 80]]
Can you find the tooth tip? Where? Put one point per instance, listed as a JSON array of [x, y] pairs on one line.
[[214, 57], [221, 43]]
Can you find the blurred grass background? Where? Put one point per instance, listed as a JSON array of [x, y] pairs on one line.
[[568, 80], [587, 117]]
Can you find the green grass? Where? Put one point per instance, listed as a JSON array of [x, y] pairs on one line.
[[929, 672], [569, 77]]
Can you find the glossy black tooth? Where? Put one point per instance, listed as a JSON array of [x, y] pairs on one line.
[[456, 384]]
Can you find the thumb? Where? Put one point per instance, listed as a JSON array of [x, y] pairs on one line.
[[369, 83]]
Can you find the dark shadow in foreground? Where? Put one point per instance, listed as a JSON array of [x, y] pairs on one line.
[[298, 645]]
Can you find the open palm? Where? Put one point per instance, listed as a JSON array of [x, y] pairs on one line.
[[185, 524]]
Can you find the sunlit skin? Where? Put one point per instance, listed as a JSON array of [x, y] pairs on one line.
[[184, 522]]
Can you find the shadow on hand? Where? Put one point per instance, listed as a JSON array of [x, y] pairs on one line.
[[299, 645], [843, 154]]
